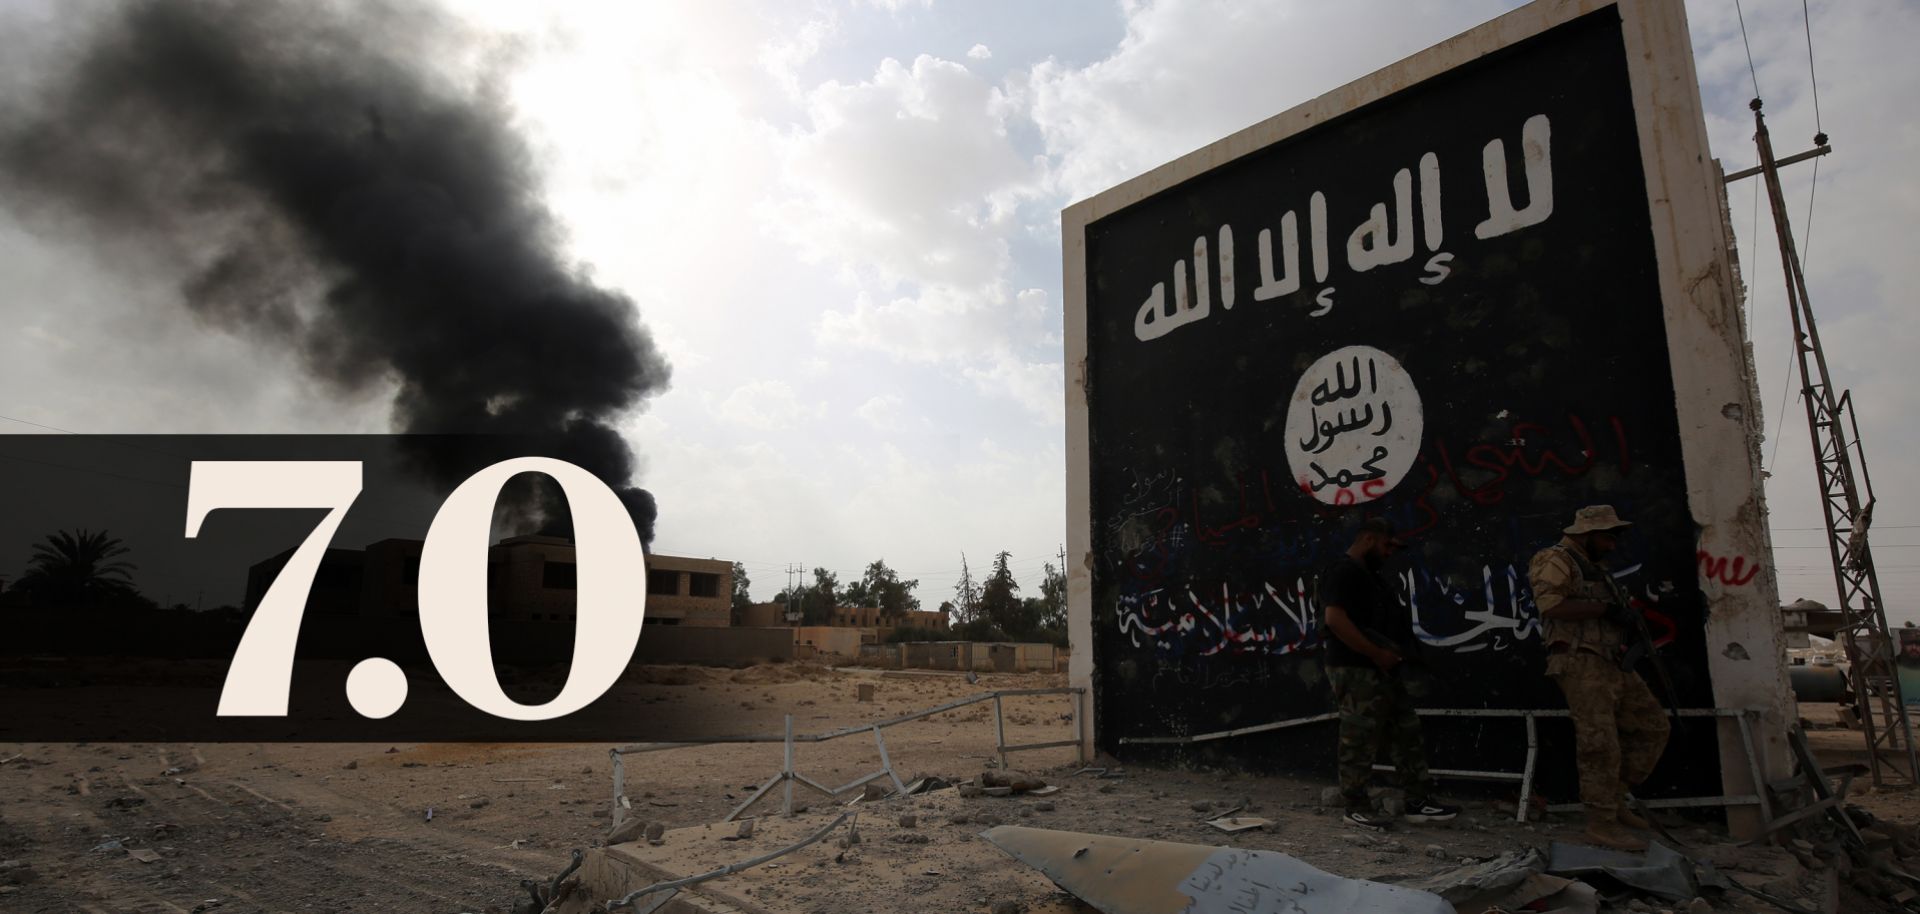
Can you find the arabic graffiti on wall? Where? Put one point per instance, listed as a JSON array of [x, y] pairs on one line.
[[1377, 240], [1353, 426], [1493, 611]]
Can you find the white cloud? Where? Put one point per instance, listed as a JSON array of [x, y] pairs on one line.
[[979, 52], [1192, 71], [883, 412], [765, 405]]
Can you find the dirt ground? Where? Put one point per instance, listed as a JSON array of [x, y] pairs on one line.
[[339, 827]]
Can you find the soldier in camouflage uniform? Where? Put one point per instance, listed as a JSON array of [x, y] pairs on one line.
[[1619, 727], [1363, 667]]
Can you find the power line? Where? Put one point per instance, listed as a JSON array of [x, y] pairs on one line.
[[1749, 45], [1806, 23]]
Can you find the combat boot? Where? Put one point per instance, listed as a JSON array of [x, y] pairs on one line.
[[1605, 831], [1632, 819]]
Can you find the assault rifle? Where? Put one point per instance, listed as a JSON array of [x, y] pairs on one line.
[[1639, 647]]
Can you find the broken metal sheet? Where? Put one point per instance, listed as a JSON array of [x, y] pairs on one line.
[[1661, 871], [1477, 886], [1549, 895], [1233, 824], [1128, 876]]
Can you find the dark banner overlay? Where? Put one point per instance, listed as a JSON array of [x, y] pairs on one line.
[[116, 624], [1442, 308]]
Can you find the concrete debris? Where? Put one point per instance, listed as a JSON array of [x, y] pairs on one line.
[[1127, 876], [1476, 886], [1019, 781], [627, 830], [924, 784], [1234, 824], [1661, 871]]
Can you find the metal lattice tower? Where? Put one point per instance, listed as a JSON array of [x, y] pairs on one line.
[[1880, 707]]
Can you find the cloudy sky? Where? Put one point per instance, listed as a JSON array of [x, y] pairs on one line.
[[841, 223]]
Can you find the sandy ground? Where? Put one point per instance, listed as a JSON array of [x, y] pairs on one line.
[[337, 827]]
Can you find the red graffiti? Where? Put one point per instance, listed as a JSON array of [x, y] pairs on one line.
[[1733, 573], [1519, 454]]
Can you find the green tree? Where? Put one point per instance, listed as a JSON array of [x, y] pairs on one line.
[[818, 600], [1000, 603], [966, 596], [1053, 600], [881, 586], [83, 569], [742, 596]]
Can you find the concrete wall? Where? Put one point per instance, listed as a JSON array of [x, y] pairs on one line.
[[1591, 352], [999, 657], [830, 641], [712, 646], [763, 615]]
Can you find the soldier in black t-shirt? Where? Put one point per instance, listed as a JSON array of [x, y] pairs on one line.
[[1360, 620]]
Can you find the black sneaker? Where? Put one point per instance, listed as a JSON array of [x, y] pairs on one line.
[[1367, 819], [1430, 811]]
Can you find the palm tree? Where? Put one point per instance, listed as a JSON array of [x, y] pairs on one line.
[[71, 570]]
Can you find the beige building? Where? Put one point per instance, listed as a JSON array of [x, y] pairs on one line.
[[530, 578]]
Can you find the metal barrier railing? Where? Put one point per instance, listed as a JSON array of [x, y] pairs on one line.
[[788, 776], [1525, 776]]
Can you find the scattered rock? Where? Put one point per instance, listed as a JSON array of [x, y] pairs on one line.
[[351, 765], [1006, 907], [959, 818], [656, 833], [1020, 781], [479, 803], [909, 820], [1202, 805], [1699, 906], [1104, 788], [1393, 806], [1331, 798], [599, 813], [17, 872], [915, 838], [126, 802], [874, 791], [1436, 851], [627, 830], [1044, 806]]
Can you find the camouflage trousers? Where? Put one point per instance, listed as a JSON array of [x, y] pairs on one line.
[[1375, 708], [1619, 729]]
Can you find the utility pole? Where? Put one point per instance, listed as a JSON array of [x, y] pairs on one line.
[[793, 594], [1846, 499]]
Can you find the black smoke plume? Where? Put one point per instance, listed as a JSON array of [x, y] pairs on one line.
[[323, 189]]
